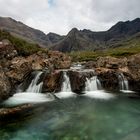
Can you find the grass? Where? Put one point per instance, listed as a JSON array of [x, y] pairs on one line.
[[23, 47], [125, 48], [115, 52]]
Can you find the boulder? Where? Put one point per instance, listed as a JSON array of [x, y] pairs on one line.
[[59, 60], [108, 78], [7, 51], [9, 114], [5, 86], [53, 81], [78, 79], [111, 62], [19, 69]]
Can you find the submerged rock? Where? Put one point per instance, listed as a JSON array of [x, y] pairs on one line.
[[8, 114]]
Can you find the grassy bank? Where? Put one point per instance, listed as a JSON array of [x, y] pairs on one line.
[[115, 52], [23, 47]]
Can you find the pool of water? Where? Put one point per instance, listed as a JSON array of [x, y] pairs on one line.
[[78, 118]]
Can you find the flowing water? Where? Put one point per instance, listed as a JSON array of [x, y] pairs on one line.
[[78, 119], [66, 91], [92, 84], [95, 115], [123, 82], [35, 87], [32, 95]]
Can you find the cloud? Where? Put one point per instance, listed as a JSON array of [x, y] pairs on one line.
[[60, 16]]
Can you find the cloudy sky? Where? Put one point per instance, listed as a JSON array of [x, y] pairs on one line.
[[60, 16]]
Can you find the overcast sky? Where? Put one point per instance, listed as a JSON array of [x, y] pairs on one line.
[[60, 16]]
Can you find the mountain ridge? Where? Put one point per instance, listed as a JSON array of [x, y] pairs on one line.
[[23, 31], [75, 40]]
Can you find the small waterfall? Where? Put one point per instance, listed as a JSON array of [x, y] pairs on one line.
[[92, 84], [123, 82], [34, 87], [93, 89], [66, 91], [66, 87]]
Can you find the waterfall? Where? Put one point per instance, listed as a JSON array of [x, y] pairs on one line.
[[66, 87], [92, 84], [123, 82], [34, 87], [31, 95], [66, 91], [93, 89]]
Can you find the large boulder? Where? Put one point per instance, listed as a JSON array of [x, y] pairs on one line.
[[78, 80], [59, 60], [111, 62], [5, 86], [53, 81], [108, 78], [19, 69]]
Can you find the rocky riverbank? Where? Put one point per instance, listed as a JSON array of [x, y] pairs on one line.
[[14, 69]]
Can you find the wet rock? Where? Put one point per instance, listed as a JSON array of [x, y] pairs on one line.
[[78, 79], [108, 78], [8, 114], [53, 81], [5, 86]]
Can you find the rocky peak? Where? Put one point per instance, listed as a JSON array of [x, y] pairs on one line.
[[73, 32], [128, 27]]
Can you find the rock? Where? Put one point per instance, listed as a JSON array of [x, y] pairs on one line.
[[7, 51], [90, 64], [53, 81], [8, 114], [19, 69], [5, 86], [111, 62], [108, 78], [78, 79], [59, 60]]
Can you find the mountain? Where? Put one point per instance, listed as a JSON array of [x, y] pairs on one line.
[[27, 33], [77, 40], [86, 40]]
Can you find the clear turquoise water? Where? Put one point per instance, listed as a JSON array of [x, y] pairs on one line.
[[78, 118]]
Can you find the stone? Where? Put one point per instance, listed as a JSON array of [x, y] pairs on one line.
[[5, 86], [53, 81]]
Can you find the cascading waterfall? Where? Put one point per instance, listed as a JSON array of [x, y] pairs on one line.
[[32, 95], [34, 87], [66, 87], [93, 89], [123, 82], [92, 84], [66, 91]]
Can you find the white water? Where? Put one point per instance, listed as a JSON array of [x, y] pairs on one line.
[[123, 82], [98, 94], [92, 89], [66, 87], [92, 84], [34, 87], [66, 91], [32, 94], [25, 97], [77, 66]]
